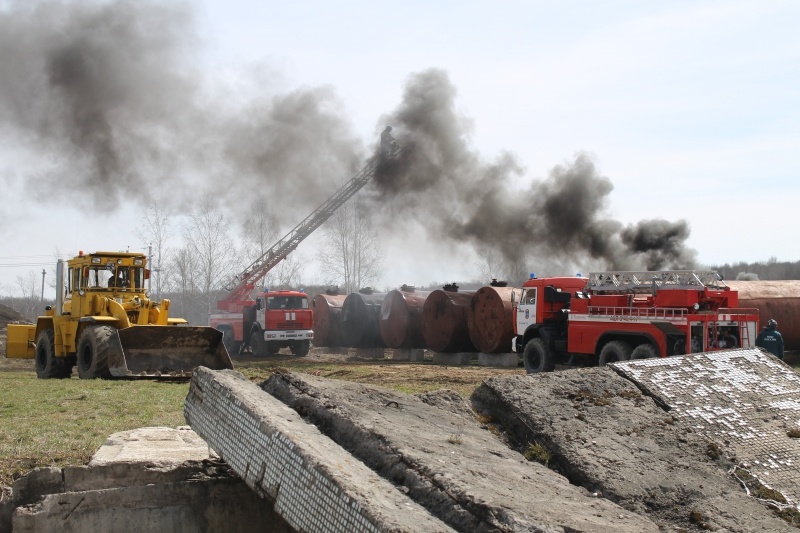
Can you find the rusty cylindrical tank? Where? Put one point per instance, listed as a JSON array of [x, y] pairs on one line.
[[360, 314], [444, 321], [401, 318], [778, 299], [328, 319], [490, 320]]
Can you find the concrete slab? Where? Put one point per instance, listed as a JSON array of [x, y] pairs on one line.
[[444, 460], [746, 400], [213, 505], [414, 355], [599, 430], [451, 359], [500, 360], [314, 483], [153, 445], [148, 479], [370, 353]]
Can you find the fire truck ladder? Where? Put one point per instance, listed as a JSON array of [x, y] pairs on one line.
[[241, 285], [647, 281]]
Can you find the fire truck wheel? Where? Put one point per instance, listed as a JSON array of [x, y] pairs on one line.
[[300, 348], [644, 351], [47, 364], [615, 351], [538, 357], [258, 345]]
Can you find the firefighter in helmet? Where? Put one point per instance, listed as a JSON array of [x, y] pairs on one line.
[[770, 339], [388, 143]]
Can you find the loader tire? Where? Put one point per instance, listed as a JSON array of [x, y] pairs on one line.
[[48, 366], [614, 352], [538, 357], [300, 348], [93, 350], [258, 345]]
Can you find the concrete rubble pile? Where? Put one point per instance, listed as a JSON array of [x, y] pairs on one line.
[[640, 446], [438, 469]]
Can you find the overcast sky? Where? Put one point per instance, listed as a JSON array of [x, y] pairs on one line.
[[690, 109]]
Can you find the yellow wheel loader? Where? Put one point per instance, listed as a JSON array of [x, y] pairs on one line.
[[104, 323]]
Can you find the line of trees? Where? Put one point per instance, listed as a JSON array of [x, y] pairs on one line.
[[193, 258]]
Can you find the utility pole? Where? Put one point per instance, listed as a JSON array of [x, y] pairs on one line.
[[149, 261], [43, 273]]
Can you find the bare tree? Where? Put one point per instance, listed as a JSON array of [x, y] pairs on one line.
[[491, 264], [181, 281], [29, 300], [259, 230], [260, 233], [351, 255], [207, 236], [156, 231], [286, 274]]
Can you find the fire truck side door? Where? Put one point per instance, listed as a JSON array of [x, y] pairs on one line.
[[526, 310]]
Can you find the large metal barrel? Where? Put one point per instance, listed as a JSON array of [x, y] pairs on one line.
[[490, 320], [401, 318], [444, 321], [360, 315], [328, 320], [778, 299]]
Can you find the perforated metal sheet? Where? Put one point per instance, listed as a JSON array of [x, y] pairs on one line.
[[744, 400]]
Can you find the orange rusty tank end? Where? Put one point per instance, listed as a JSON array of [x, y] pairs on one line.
[[401, 318], [779, 299], [444, 321], [328, 320], [490, 320]]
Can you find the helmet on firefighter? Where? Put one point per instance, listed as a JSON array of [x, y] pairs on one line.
[[771, 323], [388, 128]]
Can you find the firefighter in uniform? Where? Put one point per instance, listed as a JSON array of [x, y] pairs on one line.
[[771, 340], [388, 143]]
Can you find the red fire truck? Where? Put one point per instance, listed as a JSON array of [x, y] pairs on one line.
[[617, 316], [276, 319]]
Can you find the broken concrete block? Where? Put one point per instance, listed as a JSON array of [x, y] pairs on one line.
[[601, 432], [314, 483], [446, 462]]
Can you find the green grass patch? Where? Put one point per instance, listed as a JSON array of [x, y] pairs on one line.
[[63, 422]]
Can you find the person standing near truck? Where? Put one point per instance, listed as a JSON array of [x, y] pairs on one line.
[[771, 340]]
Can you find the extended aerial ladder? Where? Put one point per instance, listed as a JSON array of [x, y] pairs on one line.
[[647, 281], [242, 285]]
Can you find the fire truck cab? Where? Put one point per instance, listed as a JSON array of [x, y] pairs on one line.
[[617, 316], [275, 320]]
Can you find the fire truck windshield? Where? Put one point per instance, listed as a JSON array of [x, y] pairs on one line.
[[287, 302]]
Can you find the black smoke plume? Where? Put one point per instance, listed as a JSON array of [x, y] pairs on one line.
[[558, 222], [112, 97]]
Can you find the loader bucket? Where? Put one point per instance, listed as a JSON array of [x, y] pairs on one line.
[[167, 351]]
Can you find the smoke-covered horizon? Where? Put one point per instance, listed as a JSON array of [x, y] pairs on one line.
[[113, 97]]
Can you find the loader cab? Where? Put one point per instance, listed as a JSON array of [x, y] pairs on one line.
[[105, 272]]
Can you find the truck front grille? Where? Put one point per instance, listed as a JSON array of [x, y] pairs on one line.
[[290, 325]]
